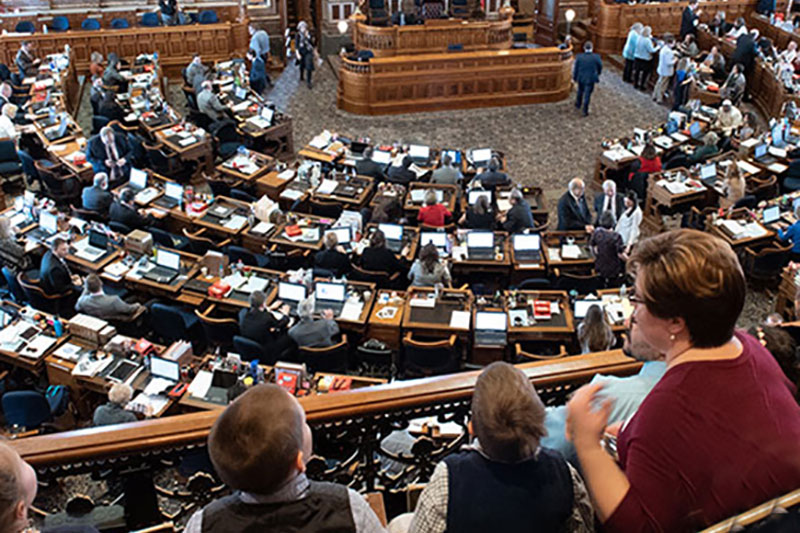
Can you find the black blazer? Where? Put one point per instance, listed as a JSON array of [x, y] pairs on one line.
[[332, 260], [368, 167], [53, 275], [256, 325], [587, 68], [519, 217], [745, 52], [599, 202], [687, 22], [96, 153], [381, 260], [490, 179], [124, 214], [570, 216], [401, 175], [110, 109], [476, 221]]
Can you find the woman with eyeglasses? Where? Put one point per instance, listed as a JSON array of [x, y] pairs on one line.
[[720, 433]]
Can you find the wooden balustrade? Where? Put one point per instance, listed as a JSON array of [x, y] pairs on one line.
[[430, 82], [433, 36], [611, 22], [553, 379]]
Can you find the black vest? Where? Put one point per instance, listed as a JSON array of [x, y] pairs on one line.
[[485, 496], [326, 509]]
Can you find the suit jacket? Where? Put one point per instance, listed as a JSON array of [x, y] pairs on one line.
[[519, 217], [490, 179], [258, 75], [570, 215], [110, 109], [401, 175], [446, 176], [368, 167], [332, 260], [105, 306], [24, 63], [687, 22], [599, 202], [195, 75], [53, 275], [587, 68], [209, 105], [111, 76], [380, 260], [256, 325], [745, 52], [124, 214], [96, 154], [314, 333], [96, 199]]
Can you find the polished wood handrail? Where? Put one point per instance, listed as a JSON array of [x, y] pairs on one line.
[[176, 431]]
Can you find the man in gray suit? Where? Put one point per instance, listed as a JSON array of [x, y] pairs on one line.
[[97, 304], [209, 104], [196, 73], [310, 332]]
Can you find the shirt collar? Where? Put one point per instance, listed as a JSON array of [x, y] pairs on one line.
[[653, 368], [476, 446], [294, 489]]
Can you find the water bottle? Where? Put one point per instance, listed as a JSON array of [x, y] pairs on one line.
[[44, 29], [242, 150], [52, 114], [58, 326], [623, 291]]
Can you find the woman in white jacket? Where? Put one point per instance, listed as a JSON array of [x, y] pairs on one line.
[[629, 221]]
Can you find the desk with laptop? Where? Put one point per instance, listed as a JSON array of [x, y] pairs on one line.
[[233, 289], [225, 216], [615, 303], [437, 313], [165, 272], [93, 251], [567, 249], [353, 192], [481, 252], [246, 167], [27, 336], [350, 301], [302, 231], [538, 315], [415, 198], [398, 238]]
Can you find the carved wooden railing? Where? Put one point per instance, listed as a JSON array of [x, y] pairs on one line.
[[348, 428], [433, 36]]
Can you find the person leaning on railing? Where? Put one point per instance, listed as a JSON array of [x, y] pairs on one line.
[[721, 431]]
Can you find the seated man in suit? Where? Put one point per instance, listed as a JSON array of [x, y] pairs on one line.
[[258, 73], [333, 257], [109, 108], [209, 104], [93, 301], [125, 212], [447, 174], [96, 94], [196, 73], [368, 167], [609, 200], [492, 177], [110, 152], [112, 76], [519, 217], [402, 173], [573, 213], [54, 272], [261, 325], [96, 197], [311, 332]]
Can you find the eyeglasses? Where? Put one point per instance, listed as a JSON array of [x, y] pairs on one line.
[[636, 300]]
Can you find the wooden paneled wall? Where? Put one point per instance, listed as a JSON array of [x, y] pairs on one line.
[[431, 82]]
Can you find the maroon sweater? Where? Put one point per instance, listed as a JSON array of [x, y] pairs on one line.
[[711, 440]]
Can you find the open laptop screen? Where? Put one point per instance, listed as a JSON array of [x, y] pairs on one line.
[[329, 291], [489, 320]]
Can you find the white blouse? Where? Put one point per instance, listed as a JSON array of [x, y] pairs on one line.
[[628, 226], [7, 128]]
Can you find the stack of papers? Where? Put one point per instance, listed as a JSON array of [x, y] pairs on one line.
[[200, 384], [460, 319], [188, 140], [286, 174], [291, 194], [236, 222], [423, 301], [617, 153], [570, 251], [259, 122], [148, 404], [262, 228], [68, 351], [747, 168], [327, 186], [37, 347], [351, 310]]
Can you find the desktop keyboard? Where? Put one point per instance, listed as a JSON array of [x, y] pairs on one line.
[[395, 246], [166, 202], [161, 274], [527, 256], [479, 255], [490, 338], [320, 306], [90, 253]]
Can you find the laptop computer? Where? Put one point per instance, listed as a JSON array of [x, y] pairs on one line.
[[695, 130], [291, 294], [221, 383], [173, 194], [771, 214], [329, 296], [527, 247], [381, 157], [165, 370], [439, 240], [472, 197], [97, 247], [421, 155], [57, 132], [581, 307], [708, 173], [48, 226], [455, 155], [358, 147], [343, 236], [480, 245], [394, 236], [762, 155], [481, 157], [490, 328], [168, 266], [138, 179]]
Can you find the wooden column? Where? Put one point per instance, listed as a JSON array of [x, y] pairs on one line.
[[546, 25]]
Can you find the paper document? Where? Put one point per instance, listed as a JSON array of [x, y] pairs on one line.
[[38, 346], [236, 222], [424, 301], [459, 319], [147, 404], [777, 168], [200, 384], [351, 310], [747, 168], [286, 174], [553, 255], [117, 268], [188, 140], [254, 283], [777, 152], [570, 251], [291, 194], [327, 186], [157, 386], [242, 106], [68, 351], [262, 228]]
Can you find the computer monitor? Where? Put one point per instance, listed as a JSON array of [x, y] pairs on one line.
[[98, 239], [392, 232], [455, 155], [694, 129], [481, 155], [330, 291], [28, 198], [760, 151], [418, 151], [291, 291], [173, 190], [438, 239], [48, 222], [165, 368], [167, 259], [708, 171], [241, 93], [384, 158], [342, 234], [267, 113], [480, 239], [524, 242], [138, 178], [473, 196], [582, 307], [490, 320], [771, 214]]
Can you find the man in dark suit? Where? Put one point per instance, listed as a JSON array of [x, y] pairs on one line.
[[492, 177], [332, 257], [25, 60], [402, 174], [258, 324], [97, 198], [689, 19], [609, 200], [110, 152], [368, 167], [258, 73], [54, 273], [586, 72], [519, 217], [745, 53], [573, 213], [109, 108], [125, 212]]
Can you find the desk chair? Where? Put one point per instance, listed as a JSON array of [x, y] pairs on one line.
[[61, 304], [534, 284], [374, 361], [764, 266], [219, 187], [383, 280], [238, 253], [523, 352], [14, 288], [168, 164], [29, 171], [60, 183], [583, 283], [242, 196], [28, 410], [201, 120], [219, 331], [119, 24], [60, 23], [329, 359], [169, 240], [88, 214], [99, 122], [209, 16], [250, 350], [763, 189], [26, 26], [150, 20], [226, 139], [119, 227], [200, 243], [322, 208], [171, 323], [429, 358], [90, 24], [10, 164], [377, 13]]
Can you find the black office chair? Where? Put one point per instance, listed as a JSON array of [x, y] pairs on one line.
[[219, 331], [325, 209], [119, 227], [200, 243], [534, 284], [237, 253], [429, 358], [764, 267], [60, 183], [329, 359], [374, 361], [99, 122], [227, 139], [242, 196], [201, 120], [56, 304], [170, 240], [383, 280], [88, 214], [249, 350], [583, 283], [167, 164], [29, 409], [10, 164], [171, 323]]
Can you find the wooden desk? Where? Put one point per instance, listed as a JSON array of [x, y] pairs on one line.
[[231, 168], [199, 151], [304, 221], [410, 240], [17, 360], [353, 193], [661, 200], [449, 197], [455, 80], [552, 250], [764, 235], [387, 330], [169, 290], [216, 224], [614, 297], [195, 290], [84, 265], [498, 265], [559, 327], [273, 183], [435, 321]]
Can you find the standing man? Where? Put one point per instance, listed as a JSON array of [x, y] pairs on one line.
[[25, 60], [666, 67], [304, 46], [586, 72], [109, 152], [573, 213], [259, 47], [689, 19]]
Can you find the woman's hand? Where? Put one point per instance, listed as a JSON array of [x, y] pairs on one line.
[[585, 423]]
